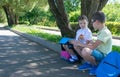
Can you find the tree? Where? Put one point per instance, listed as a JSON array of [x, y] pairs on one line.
[[37, 14], [2, 16], [88, 7], [14, 8], [58, 10]]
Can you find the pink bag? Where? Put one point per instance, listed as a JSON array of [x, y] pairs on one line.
[[65, 55]]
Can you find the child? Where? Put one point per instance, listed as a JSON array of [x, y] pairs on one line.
[[97, 50], [83, 35]]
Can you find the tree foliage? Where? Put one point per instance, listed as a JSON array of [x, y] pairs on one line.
[[14, 8], [64, 11], [40, 14], [112, 11], [72, 8], [72, 5], [2, 16]]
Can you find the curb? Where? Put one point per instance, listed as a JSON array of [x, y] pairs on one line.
[[48, 44]]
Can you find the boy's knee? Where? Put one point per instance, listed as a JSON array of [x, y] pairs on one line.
[[85, 52]]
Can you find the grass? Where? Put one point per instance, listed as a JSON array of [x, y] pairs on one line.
[[37, 32], [116, 48]]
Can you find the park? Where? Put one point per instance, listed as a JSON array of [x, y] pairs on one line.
[[28, 51]]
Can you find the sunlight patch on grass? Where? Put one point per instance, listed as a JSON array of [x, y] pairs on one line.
[[37, 32]]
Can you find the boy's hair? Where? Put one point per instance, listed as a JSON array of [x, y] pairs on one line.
[[100, 16], [82, 17]]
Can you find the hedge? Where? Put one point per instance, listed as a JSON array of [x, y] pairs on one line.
[[114, 27]]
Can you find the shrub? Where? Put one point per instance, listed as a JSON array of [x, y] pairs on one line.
[[74, 16], [112, 12], [38, 16], [114, 27]]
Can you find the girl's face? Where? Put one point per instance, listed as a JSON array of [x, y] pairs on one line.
[[83, 23]]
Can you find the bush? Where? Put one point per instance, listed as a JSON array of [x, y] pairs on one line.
[[38, 16], [114, 27], [73, 16], [112, 12], [24, 22]]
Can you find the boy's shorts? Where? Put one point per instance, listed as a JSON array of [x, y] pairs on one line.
[[97, 55]]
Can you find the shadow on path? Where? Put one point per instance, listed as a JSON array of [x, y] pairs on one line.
[[20, 57]]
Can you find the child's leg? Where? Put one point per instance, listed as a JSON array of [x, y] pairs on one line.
[[86, 54], [78, 50], [69, 50], [74, 57], [62, 48]]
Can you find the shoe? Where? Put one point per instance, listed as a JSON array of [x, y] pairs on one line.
[[71, 60], [85, 66], [92, 71]]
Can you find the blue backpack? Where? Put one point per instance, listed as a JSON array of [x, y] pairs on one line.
[[109, 66]]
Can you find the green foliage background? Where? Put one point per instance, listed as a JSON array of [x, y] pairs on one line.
[[44, 17], [41, 15], [2, 16], [112, 12]]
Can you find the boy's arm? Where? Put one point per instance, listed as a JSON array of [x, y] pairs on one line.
[[95, 44], [89, 42], [91, 46]]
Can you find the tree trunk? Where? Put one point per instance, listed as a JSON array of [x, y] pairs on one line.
[[58, 10], [16, 19], [10, 15], [89, 7]]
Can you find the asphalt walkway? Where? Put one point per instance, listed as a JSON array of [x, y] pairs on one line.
[[22, 57]]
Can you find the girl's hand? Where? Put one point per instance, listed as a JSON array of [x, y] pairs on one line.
[[81, 37]]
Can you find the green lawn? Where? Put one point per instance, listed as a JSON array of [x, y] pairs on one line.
[[35, 31]]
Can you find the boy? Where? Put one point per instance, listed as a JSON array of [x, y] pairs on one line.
[[97, 50]]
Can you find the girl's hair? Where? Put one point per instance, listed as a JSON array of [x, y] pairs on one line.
[[82, 17]]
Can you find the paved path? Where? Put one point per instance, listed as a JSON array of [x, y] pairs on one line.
[[20, 57]]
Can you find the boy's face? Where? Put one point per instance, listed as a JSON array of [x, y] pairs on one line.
[[83, 23], [95, 24]]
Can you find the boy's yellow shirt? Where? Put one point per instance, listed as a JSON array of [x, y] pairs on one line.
[[105, 36]]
